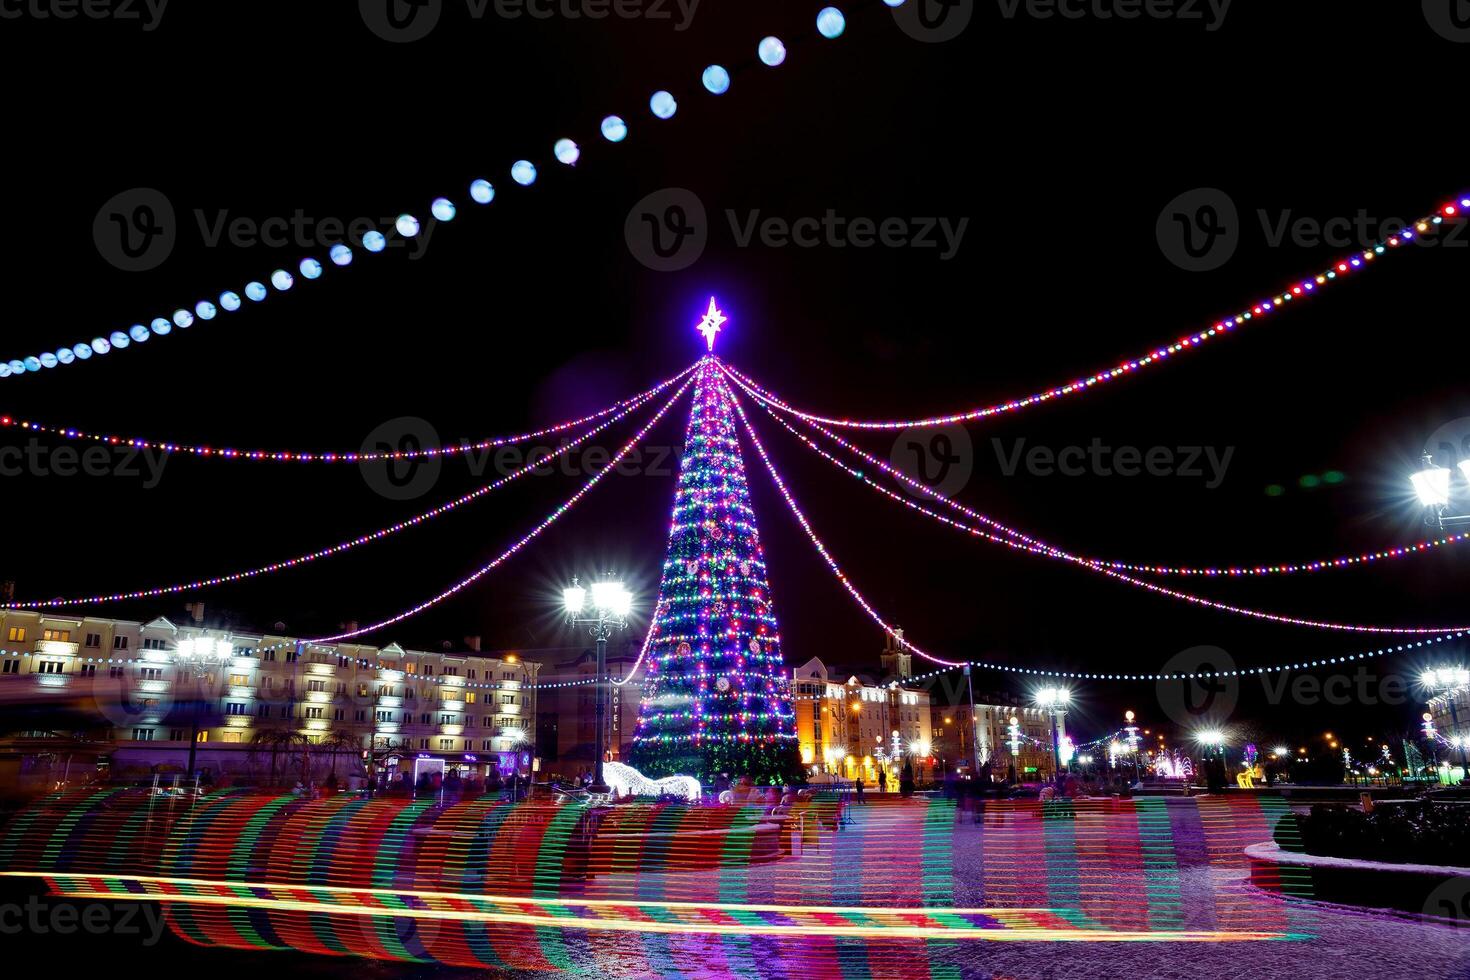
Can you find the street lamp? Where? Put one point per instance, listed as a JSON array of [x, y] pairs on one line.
[[1432, 487], [200, 656], [609, 609], [1132, 731], [1055, 700]]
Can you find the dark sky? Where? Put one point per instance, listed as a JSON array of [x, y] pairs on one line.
[[1059, 141]]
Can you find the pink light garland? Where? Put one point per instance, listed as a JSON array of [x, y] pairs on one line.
[[535, 532], [295, 456], [817, 542], [344, 546], [1300, 290], [1033, 546], [1233, 571]]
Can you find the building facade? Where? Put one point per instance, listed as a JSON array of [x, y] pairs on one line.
[[125, 696], [848, 728]]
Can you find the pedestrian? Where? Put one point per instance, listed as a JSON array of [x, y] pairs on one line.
[[858, 786]]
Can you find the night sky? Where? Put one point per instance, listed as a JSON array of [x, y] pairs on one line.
[[1060, 142]]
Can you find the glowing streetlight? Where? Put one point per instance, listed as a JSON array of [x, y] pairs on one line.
[[608, 612], [1054, 700]]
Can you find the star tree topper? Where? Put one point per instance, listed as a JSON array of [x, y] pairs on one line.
[[710, 325]]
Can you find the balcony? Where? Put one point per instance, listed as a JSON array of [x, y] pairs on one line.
[[56, 648]]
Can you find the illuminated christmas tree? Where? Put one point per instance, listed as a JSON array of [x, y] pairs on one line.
[[715, 699]]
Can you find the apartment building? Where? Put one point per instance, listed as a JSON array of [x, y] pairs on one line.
[[78, 693]]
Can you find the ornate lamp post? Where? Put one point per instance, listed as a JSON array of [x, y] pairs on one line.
[[607, 613], [1055, 700], [200, 656]]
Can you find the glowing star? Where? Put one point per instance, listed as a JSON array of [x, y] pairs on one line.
[[710, 325]]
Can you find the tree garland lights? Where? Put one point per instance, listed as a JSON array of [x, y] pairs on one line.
[[1033, 546], [530, 536], [821, 548], [1300, 290], [343, 456], [1042, 547], [716, 698], [348, 545]]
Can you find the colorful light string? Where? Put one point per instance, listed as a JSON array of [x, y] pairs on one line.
[[344, 546], [1226, 571], [337, 456], [1302, 289], [1037, 547], [530, 536]]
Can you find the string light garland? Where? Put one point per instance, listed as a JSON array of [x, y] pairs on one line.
[[342, 456], [1072, 675], [714, 79], [822, 548], [530, 536], [1040, 548], [341, 547], [1291, 295]]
